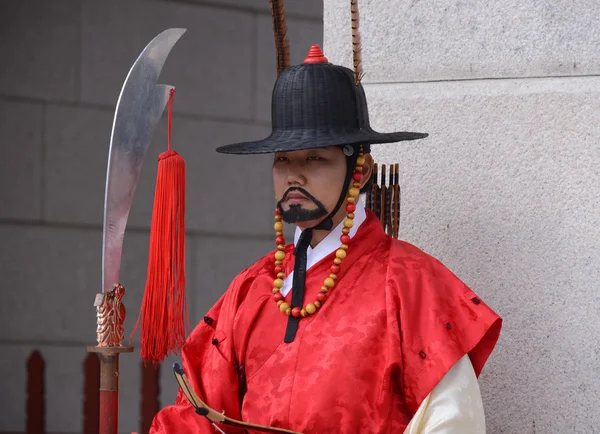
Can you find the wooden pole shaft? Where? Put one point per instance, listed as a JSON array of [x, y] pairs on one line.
[[109, 393], [109, 386], [110, 315]]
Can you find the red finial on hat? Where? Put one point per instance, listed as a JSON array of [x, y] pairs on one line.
[[315, 55]]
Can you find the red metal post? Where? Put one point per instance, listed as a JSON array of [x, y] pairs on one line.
[[150, 391], [109, 386], [109, 393], [35, 394], [91, 395]]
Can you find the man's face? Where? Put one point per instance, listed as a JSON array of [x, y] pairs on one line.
[[309, 182]]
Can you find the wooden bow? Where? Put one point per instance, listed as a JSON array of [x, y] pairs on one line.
[[214, 416]]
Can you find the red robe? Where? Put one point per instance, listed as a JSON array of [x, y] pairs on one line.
[[394, 324]]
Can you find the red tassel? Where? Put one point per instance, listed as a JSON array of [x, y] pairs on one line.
[[163, 316]]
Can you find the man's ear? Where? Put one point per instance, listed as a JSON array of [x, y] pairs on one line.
[[367, 169]]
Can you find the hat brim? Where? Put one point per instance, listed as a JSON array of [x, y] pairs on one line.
[[282, 142]]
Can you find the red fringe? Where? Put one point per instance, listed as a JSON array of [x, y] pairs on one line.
[[163, 316]]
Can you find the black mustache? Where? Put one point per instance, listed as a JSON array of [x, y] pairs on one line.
[[301, 190]]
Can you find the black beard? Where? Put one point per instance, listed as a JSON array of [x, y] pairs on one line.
[[298, 214]]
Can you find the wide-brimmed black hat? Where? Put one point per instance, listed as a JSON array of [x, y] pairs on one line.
[[314, 105]]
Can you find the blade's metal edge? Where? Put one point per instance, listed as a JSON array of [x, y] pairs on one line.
[[178, 32]]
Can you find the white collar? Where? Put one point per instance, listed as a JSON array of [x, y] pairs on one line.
[[328, 245]]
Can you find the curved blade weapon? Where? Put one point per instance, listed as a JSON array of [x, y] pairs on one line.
[[139, 107]]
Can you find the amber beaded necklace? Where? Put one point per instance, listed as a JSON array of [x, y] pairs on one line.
[[340, 254]]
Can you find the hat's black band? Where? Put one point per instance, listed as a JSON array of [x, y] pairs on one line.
[[327, 223]]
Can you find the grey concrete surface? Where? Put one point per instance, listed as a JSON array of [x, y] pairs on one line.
[[219, 43], [505, 189], [406, 40], [505, 193], [64, 64], [78, 162], [41, 60], [23, 123]]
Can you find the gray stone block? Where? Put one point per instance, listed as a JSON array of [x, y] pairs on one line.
[[301, 34], [64, 380], [130, 389], [424, 41], [211, 65], [57, 273], [77, 143], [13, 394], [218, 260], [218, 186], [505, 193], [296, 8], [39, 47], [226, 194], [168, 384], [312, 9], [21, 176]]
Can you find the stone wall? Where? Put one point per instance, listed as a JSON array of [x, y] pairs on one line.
[[505, 191], [64, 62]]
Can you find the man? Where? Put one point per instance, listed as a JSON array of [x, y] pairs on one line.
[[346, 330]]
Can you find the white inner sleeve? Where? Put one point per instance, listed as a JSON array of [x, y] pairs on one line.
[[454, 406]]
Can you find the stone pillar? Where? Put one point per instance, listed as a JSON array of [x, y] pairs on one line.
[[506, 190]]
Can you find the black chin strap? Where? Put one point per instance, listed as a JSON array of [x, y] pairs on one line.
[[302, 247]]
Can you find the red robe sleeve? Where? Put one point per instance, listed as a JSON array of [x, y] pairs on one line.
[[441, 320], [208, 359]]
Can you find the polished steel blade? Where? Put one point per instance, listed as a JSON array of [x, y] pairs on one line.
[[140, 106]]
